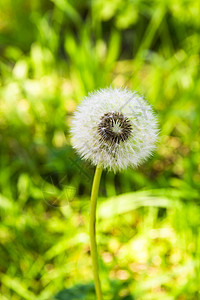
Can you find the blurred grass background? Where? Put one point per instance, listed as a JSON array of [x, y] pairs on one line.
[[52, 54]]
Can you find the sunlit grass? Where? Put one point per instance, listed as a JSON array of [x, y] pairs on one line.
[[52, 54]]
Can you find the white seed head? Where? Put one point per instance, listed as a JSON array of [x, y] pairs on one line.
[[115, 128]]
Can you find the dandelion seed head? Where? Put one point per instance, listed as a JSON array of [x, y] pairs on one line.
[[115, 128]]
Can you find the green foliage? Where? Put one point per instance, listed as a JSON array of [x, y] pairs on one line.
[[52, 54], [77, 292]]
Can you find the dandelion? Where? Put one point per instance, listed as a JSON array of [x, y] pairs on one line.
[[114, 129]]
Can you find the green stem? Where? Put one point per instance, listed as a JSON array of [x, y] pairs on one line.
[[93, 244]]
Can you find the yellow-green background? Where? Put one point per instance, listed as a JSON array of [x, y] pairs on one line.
[[52, 54]]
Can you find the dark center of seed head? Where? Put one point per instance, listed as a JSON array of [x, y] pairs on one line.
[[114, 128]]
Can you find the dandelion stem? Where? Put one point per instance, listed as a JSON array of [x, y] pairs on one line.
[[93, 244]]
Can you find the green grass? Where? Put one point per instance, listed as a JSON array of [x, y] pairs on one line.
[[52, 54]]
